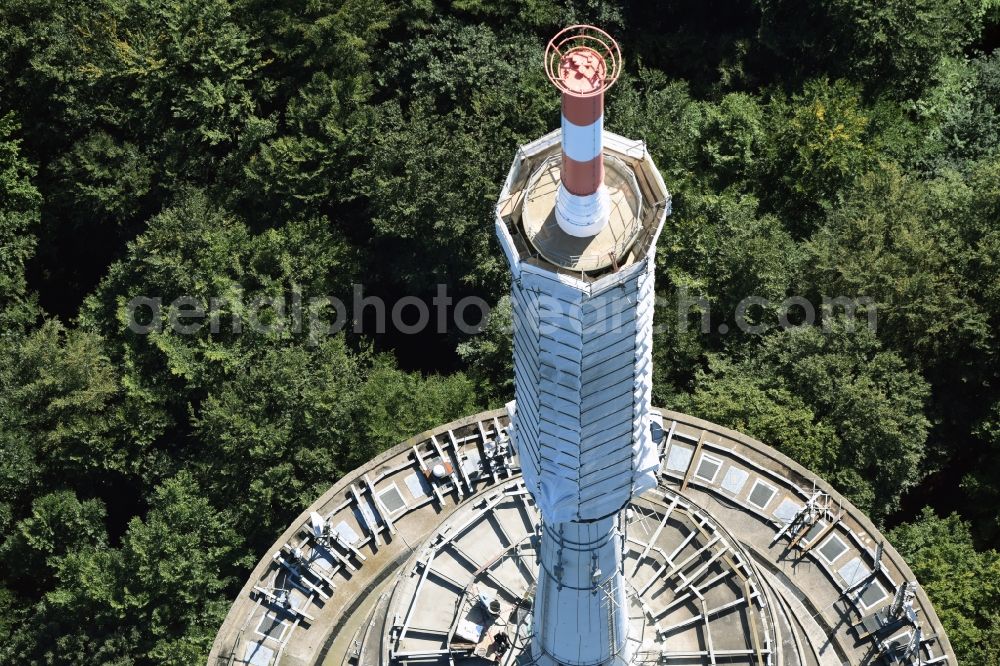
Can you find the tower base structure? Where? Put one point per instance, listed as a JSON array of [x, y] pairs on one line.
[[581, 606]]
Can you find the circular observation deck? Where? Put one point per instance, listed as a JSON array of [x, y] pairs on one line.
[[475, 580], [609, 246], [740, 556]]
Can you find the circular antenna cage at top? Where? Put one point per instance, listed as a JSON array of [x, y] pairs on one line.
[[583, 61]]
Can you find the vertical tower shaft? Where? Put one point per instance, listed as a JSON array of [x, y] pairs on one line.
[[580, 597], [578, 225], [581, 425]]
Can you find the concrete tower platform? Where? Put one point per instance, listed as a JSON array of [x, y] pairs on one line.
[[738, 556], [527, 203]]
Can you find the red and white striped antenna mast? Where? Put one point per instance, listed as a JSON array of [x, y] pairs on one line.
[[582, 62]]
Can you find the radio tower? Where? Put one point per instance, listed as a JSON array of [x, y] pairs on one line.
[[580, 242], [438, 545]]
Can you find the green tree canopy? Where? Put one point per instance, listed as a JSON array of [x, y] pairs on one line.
[[963, 583], [19, 202], [252, 153], [835, 401], [890, 45]]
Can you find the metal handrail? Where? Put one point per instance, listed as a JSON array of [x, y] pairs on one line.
[[622, 243]]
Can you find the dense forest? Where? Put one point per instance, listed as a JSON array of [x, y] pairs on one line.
[[248, 149]]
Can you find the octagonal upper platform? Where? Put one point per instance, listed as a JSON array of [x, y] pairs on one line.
[[526, 223]]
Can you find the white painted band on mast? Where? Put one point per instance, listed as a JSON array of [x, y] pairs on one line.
[[582, 143], [583, 216]]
